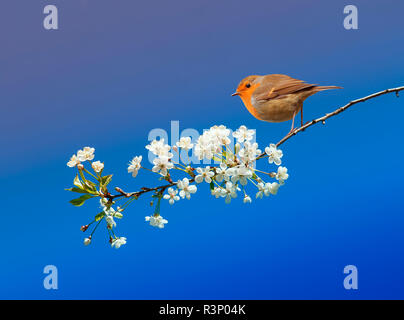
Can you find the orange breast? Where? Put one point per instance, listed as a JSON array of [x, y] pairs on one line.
[[247, 102]]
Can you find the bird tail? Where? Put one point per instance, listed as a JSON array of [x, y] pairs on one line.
[[321, 88]]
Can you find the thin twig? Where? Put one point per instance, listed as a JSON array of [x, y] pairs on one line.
[[337, 111], [283, 140], [136, 194]]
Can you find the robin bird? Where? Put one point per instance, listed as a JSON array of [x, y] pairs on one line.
[[276, 97]]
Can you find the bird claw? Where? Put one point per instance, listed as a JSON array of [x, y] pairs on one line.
[[292, 131]]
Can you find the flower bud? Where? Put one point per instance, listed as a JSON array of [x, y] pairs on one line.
[[84, 228], [87, 241], [237, 147], [175, 148], [80, 166]]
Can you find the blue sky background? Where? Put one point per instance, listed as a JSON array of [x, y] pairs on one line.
[[115, 70]]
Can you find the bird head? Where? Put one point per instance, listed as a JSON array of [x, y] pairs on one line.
[[247, 86]]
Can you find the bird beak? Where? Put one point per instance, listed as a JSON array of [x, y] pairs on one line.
[[235, 94]]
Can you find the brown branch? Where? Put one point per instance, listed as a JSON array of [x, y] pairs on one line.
[[138, 193], [337, 111], [143, 190], [322, 119]]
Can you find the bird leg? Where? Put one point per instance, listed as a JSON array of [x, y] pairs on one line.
[[301, 117], [293, 123]]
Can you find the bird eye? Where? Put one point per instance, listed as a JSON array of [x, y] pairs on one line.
[[248, 85]]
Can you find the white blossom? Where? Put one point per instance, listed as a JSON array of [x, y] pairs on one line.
[[274, 154], [118, 213], [204, 147], [236, 169], [220, 134], [171, 196], [110, 221], [87, 154], [110, 213], [162, 164], [247, 199], [97, 166], [109, 216], [118, 242], [204, 174], [282, 174], [211, 142], [261, 190], [103, 203], [186, 189], [185, 143], [273, 188], [230, 192], [217, 192], [135, 165], [243, 134], [250, 152], [156, 221], [267, 189], [242, 174], [221, 173], [159, 148], [74, 161]]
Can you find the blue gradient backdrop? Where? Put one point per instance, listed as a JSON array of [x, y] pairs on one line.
[[117, 69]]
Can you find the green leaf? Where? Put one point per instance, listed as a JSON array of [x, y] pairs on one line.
[[212, 186], [99, 216], [77, 182], [75, 189], [105, 180], [86, 184], [82, 175], [90, 186], [80, 201], [90, 183]]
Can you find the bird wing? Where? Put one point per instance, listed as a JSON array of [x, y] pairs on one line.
[[277, 86]]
